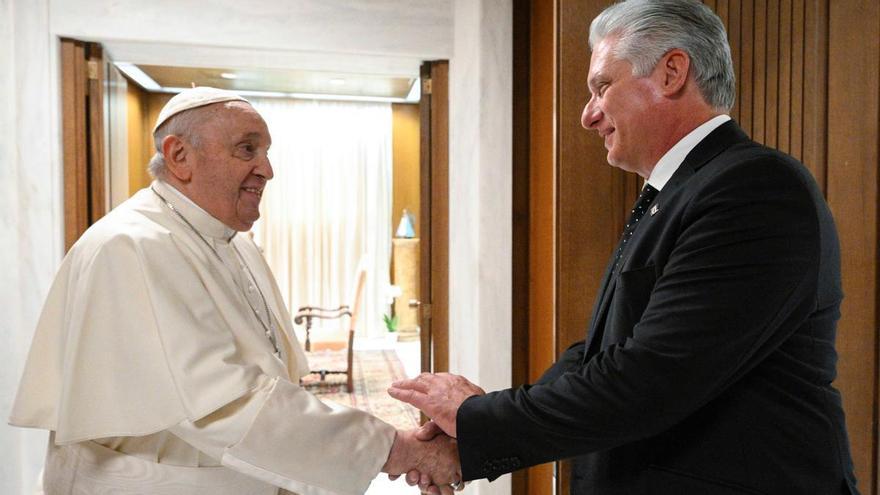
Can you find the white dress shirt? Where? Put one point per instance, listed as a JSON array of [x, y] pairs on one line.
[[669, 163]]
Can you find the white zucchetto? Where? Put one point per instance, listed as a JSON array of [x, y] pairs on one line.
[[194, 98]]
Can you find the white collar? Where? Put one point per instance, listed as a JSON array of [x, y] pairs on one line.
[[673, 158], [201, 220]]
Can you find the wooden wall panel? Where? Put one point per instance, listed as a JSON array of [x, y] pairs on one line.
[[734, 29], [759, 70], [797, 77], [592, 197], [852, 190], [771, 87], [783, 109], [807, 83], [779, 50], [744, 70], [815, 95]]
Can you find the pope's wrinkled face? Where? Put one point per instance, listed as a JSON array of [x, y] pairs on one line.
[[231, 164], [622, 109]]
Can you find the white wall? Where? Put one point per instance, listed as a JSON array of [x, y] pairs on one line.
[[480, 225], [383, 27], [393, 35], [371, 36], [30, 199]]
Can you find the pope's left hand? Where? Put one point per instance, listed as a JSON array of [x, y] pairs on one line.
[[438, 396]]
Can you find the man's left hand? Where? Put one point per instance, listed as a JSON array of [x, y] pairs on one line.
[[438, 396]]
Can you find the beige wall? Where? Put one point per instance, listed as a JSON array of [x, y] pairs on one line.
[[137, 169], [143, 108], [405, 155]]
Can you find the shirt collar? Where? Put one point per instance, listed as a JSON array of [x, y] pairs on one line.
[[200, 219], [673, 158]]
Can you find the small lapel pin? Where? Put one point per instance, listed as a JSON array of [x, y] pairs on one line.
[[654, 210]]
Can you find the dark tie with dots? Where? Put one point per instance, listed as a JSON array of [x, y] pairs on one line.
[[642, 204]]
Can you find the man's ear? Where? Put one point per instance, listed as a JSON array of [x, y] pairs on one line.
[[178, 160], [673, 71]]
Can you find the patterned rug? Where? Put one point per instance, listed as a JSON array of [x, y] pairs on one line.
[[374, 371]]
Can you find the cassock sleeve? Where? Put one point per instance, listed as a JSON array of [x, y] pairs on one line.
[[285, 436]]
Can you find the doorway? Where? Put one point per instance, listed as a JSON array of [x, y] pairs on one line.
[[93, 118]]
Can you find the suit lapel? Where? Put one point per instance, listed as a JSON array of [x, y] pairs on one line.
[[723, 137]]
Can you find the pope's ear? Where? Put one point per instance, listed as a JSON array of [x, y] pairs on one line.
[[177, 157]]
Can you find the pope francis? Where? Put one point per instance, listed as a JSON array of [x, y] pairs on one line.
[[164, 361]]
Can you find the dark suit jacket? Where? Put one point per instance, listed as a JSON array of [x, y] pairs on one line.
[[710, 356]]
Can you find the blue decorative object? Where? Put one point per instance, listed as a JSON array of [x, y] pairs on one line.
[[406, 227]]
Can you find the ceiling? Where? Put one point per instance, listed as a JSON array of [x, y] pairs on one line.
[[276, 82]]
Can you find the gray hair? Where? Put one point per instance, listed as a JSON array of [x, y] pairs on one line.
[[645, 30], [183, 125]]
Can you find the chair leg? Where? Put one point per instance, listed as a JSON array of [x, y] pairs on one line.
[[350, 361]]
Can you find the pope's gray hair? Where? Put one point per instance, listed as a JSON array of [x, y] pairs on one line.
[[183, 125], [645, 30]]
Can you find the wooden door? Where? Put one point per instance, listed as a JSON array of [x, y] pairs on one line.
[[82, 130], [94, 134], [434, 198]]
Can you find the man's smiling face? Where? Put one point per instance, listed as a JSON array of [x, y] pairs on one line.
[[622, 110]]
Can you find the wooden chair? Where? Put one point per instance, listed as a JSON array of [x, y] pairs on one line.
[[322, 363]]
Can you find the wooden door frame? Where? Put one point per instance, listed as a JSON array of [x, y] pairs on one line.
[[82, 131], [434, 213], [533, 270]]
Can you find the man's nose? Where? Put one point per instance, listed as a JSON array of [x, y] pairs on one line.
[[592, 115], [264, 168]]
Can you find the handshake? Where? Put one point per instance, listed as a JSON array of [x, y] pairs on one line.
[[429, 455]]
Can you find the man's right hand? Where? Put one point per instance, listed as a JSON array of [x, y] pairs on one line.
[[429, 459]]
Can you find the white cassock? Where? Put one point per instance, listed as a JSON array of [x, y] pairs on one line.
[[152, 370]]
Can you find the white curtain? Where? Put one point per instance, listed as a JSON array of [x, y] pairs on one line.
[[328, 208]]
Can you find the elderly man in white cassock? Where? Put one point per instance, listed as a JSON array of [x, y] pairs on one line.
[[164, 361]]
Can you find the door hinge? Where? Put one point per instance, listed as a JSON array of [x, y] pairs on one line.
[[92, 69], [426, 86]]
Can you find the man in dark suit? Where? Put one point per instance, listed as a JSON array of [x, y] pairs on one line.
[[709, 358]]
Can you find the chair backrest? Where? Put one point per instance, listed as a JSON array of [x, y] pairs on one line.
[[358, 296]]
